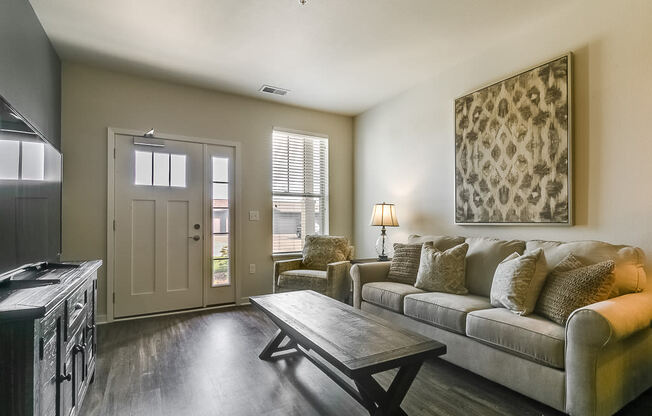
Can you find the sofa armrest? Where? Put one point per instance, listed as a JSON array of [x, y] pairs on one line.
[[610, 321], [606, 360], [365, 273], [337, 275], [284, 266]]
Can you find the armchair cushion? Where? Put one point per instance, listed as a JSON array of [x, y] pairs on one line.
[[320, 250], [303, 279]]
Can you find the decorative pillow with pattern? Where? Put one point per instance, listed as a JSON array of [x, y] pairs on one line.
[[518, 281], [442, 271], [320, 250], [568, 288], [405, 263]]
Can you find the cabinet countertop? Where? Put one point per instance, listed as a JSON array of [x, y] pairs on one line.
[[36, 302]]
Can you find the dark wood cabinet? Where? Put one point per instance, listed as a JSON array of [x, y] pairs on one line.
[[48, 345]]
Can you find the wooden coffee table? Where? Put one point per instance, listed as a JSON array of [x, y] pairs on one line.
[[356, 343]]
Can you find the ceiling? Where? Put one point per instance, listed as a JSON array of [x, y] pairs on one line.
[[339, 56]]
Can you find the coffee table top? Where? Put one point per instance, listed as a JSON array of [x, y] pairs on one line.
[[352, 340]]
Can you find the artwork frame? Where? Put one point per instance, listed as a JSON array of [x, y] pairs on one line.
[[514, 149]]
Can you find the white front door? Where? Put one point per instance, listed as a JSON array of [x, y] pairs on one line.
[[159, 227]]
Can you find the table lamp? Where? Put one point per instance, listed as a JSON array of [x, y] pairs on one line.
[[384, 215]]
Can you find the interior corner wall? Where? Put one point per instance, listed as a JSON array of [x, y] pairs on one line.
[[95, 99], [404, 147]]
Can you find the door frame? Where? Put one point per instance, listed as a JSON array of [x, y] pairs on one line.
[[110, 212]]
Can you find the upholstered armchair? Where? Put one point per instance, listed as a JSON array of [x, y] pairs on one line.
[[323, 268]]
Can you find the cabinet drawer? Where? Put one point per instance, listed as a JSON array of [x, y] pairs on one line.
[[76, 308]]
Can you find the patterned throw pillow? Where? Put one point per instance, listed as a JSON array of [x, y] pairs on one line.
[[405, 263], [321, 250], [443, 271], [518, 281], [568, 288]]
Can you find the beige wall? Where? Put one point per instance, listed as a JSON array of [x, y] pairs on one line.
[[95, 99], [404, 146]]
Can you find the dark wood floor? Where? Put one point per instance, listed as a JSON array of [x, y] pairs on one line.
[[206, 363]]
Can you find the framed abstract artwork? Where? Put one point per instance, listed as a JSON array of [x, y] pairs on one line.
[[513, 149]]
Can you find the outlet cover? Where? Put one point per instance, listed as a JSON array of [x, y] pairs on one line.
[[254, 216]]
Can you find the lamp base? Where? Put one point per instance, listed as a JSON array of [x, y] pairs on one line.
[[383, 258]]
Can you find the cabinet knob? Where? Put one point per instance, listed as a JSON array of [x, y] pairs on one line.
[[78, 306]]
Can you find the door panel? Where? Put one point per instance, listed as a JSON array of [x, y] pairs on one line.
[[158, 204]]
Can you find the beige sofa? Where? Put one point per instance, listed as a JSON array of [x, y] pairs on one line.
[[595, 365]]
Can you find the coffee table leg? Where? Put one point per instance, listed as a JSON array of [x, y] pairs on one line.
[[388, 402], [273, 346]]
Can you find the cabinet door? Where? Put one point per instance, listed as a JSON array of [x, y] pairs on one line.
[[68, 396]]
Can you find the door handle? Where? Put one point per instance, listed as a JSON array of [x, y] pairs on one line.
[[195, 237]]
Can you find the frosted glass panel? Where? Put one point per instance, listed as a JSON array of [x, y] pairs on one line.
[[143, 168], [178, 170], [220, 169], [9, 153], [161, 169], [33, 161]]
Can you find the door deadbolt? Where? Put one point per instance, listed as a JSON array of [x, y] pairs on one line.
[[196, 226]]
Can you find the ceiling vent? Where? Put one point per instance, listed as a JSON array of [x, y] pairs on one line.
[[273, 90]]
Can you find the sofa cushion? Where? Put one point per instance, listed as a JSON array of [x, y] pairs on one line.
[[303, 279], [442, 271], [629, 274], [441, 242], [568, 290], [320, 250], [405, 263], [444, 310], [532, 337], [518, 282], [483, 257], [388, 295]]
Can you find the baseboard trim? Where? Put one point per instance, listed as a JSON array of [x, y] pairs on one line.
[[101, 319], [244, 301]]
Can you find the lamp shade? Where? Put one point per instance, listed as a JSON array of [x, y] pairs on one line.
[[384, 215]]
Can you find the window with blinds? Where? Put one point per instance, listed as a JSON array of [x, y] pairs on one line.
[[300, 189]]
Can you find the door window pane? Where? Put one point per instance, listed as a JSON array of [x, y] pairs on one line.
[[161, 169], [178, 170], [220, 195], [220, 169], [220, 272], [33, 161], [220, 245], [9, 153], [143, 168], [220, 220]]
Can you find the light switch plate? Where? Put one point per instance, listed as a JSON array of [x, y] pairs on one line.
[[254, 216], [252, 268]]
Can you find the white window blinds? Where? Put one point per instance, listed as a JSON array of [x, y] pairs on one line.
[[300, 189]]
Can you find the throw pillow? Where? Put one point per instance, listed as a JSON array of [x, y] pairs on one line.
[[443, 271], [405, 263], [518, 281], [567, 290], [321, 250]]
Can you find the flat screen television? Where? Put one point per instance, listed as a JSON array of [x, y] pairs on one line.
[[30, 194]]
